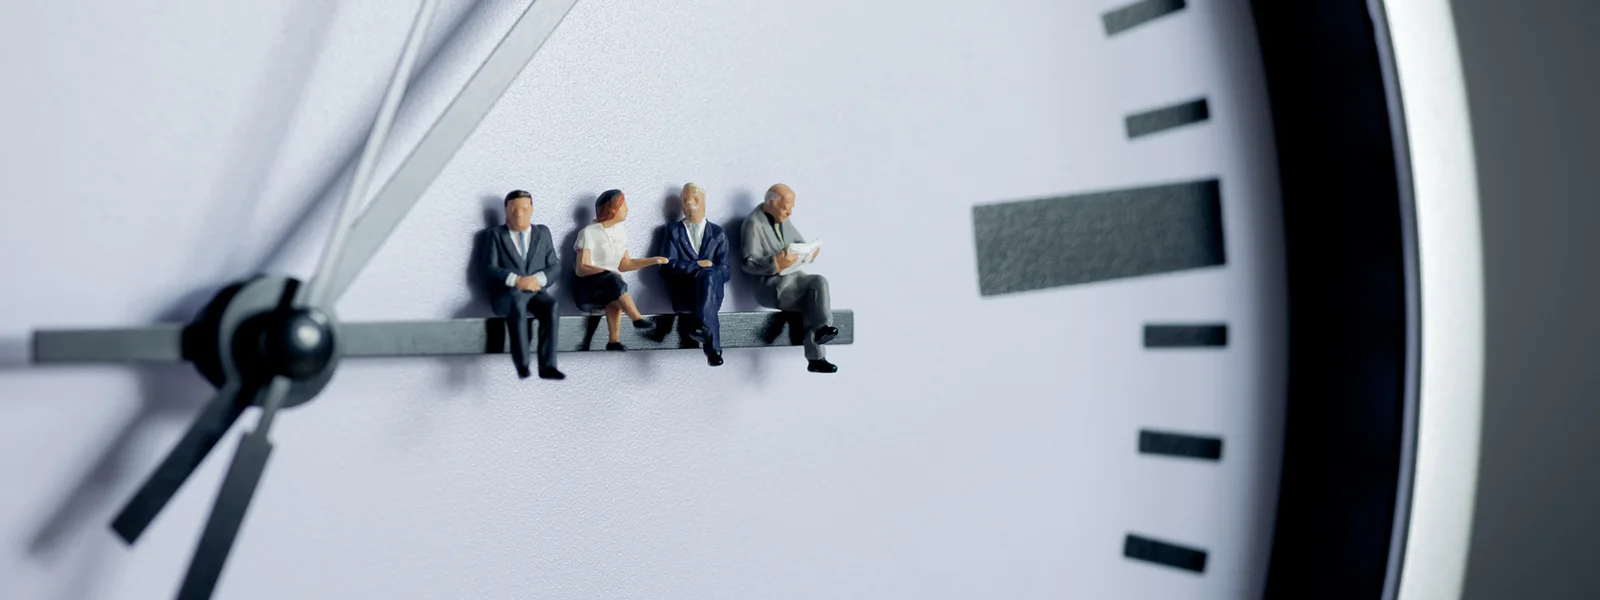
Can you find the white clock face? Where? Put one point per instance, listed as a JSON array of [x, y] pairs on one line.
[[975, 441]]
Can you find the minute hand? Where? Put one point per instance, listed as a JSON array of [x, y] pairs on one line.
[[442, 141]]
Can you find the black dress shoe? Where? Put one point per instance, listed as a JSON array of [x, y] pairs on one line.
[[701, 334], [821, 366], [523, 372], [713, 358], [616, 347], [825, 334], [551, 373], [643, 324]]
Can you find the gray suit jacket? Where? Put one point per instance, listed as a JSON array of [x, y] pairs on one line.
[[500, 259], [760, 245]]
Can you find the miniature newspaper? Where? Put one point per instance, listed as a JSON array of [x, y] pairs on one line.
[[807, 252]]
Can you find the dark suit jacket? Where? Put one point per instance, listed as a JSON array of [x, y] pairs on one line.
[[679, 272], [500, 259]]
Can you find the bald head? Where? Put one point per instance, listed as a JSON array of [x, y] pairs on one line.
[[779, 203], [693, 199]]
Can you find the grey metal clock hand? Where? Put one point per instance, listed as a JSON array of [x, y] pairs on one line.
[[220, 413], [446, 136], [250, 460], [313, 294]]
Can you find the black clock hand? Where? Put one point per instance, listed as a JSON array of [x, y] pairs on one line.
[[299, 344]]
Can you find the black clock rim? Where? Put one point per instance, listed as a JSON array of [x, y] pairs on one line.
[[1350, 236]]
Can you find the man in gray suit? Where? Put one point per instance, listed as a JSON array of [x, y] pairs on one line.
[[519, 260], [768, 234]]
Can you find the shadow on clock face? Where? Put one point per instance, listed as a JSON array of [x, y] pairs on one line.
[[168, 393]]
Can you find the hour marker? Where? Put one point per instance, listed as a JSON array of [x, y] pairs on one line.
[[1138, 547], [1138, 13], [1167, 117], [1179, 445], [1068, 240], [1185, 336]]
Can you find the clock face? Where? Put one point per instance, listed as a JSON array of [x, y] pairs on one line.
[[1057, 224]]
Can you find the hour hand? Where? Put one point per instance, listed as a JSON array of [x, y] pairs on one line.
[[203, 434]]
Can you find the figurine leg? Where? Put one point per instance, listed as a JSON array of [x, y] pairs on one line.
[[808, 295], [614, 321], [517, 327], [708, 297], [543, 307], [626, 302]]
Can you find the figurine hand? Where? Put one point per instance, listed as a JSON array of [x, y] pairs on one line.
[[529, 283], [660, 260], [785, 259], [704, 263]]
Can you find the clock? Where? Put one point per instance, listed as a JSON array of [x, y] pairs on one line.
[[1173, 298]]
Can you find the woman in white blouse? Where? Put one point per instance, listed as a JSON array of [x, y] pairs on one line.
[[602, 259]]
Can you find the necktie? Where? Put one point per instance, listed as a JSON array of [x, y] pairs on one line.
[[522, 245]]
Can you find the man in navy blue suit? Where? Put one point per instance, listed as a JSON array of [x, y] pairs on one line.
[[697, 270]]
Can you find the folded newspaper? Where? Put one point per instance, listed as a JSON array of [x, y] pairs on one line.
[[807, 252]]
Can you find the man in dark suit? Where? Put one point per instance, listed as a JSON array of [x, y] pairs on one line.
[[519, 261], [696, 270]]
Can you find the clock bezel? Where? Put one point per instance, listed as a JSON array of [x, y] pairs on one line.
[[1368, 98]]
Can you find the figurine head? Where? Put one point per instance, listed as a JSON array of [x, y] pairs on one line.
[[519, 210], [693, 199], [611, 206], [780, 202]]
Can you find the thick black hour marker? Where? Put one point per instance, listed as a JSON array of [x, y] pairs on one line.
[[1068, 240], [1185, 336], [1138, 547], [1138, 13], [1179, 445], [1167, 117]]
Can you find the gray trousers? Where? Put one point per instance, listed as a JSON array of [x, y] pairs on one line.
[[807, 294]]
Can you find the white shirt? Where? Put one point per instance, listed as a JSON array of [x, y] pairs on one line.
[[606, 245], [695, 230], [519, 242]]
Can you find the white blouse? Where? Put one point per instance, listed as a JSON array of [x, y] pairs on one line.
[[606, 245]]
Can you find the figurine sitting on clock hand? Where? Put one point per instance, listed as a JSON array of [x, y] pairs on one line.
[[602, 259], [520, 261], [696, 270], [774, 251]]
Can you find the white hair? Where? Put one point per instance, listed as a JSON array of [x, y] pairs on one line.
[[773, 195], [693, 188]]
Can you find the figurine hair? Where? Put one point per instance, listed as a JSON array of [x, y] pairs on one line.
[[517, 194], [693, 188], [605, 207], [772, 194]]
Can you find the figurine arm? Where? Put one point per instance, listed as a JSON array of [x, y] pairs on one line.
[[633, 264], [583, 268], [677, 263], [552, 265], [719, 256], [491, 261], [755, 261]]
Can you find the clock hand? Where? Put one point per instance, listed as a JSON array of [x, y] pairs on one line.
[[441, 142], [298, 345], [314, 294], [219, 415], [420, 338]]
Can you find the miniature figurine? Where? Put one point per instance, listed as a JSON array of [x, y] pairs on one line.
[[774, 250], [520, 260], [602, 259], [696, 270]]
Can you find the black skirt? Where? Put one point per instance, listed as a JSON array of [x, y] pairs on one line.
[[594, 292]]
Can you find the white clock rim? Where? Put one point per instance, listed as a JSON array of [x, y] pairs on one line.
[[1449, 254]]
